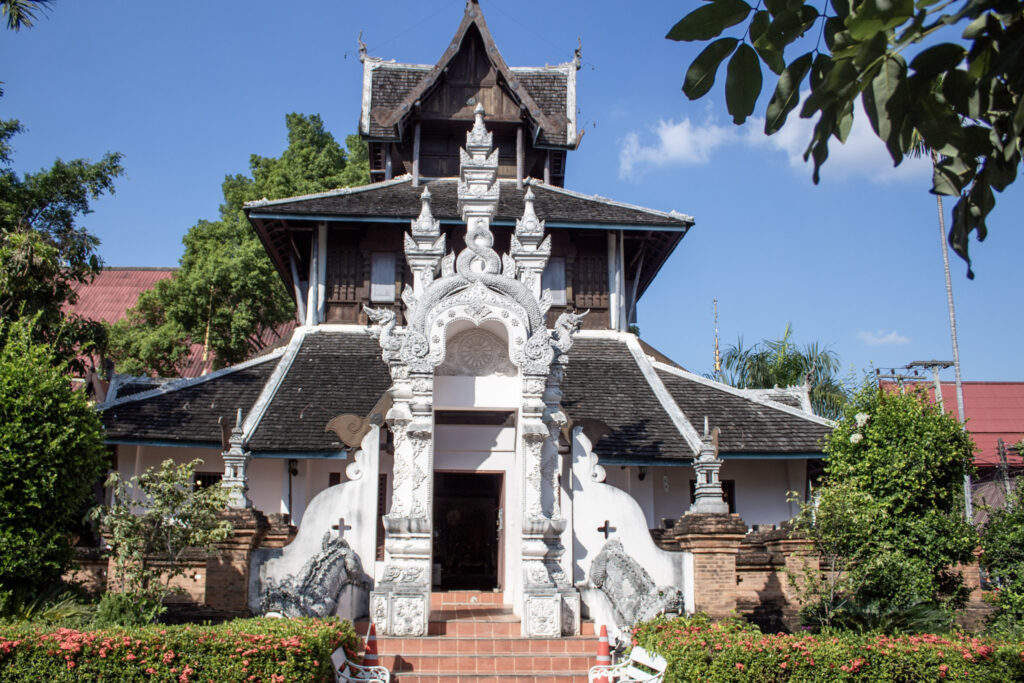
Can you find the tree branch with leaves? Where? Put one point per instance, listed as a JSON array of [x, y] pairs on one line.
[[974, 120]]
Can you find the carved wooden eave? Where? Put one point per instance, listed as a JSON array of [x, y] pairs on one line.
[[539, 119]]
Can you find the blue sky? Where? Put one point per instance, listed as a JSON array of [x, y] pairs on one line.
[[188, 90]]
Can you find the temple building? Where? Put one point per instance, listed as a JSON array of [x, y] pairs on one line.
[[463, 405]]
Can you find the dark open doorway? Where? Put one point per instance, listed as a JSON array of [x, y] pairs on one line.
[[467, 530]]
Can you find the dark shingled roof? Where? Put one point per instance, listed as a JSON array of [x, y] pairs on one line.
[[189, 414], [603, 382], [333, 373], [540, 97], [399, 199], [548, 89], [389, 85], [747, 426]]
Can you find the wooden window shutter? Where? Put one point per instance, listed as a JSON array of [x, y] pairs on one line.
[[382, 277], [382, 500], [553, 278]]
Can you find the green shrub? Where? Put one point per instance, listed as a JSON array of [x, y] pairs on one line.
[[124, 609], [57, 605], [698, 650], [268, 650], [1002, 541], [51, 456]]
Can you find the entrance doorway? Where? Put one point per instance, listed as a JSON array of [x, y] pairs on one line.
[[467, 531]]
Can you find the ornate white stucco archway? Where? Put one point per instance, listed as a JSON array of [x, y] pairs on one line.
[[480, 288]]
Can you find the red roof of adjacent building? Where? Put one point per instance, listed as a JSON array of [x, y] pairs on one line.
[[109, 296], [994, 410]]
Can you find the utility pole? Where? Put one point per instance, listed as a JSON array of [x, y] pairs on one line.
[[968, 503]]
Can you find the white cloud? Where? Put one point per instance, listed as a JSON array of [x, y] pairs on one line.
[[678, 143], [863, 156], [883, 338]]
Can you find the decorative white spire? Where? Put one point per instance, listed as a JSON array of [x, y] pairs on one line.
[[425, 225], [478, 200], [236, 459], [424, 245], [530, 248]]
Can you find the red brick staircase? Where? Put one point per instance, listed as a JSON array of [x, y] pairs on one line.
[[474, 638]]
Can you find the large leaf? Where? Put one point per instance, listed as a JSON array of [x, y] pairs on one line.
[[742, 83], [708, 21], [758, 31], [938, 59], [872, 16], [701, 74], [787, 93], [885, 110]]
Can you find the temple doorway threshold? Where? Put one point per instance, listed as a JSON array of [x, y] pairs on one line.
[[468, 531]]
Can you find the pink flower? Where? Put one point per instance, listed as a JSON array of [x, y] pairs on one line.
[[740, 666], [168, 657]]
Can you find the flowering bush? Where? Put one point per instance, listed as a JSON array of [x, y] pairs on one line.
[[698, 650], [888, 519], [267, 650]]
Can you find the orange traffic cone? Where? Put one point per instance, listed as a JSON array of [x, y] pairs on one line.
[[370, 656], [604, 655]]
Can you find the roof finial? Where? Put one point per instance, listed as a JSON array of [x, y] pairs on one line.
[[577, 55], [362, 48]]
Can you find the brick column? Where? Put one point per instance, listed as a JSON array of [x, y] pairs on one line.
[[227, 572], [714, 540]]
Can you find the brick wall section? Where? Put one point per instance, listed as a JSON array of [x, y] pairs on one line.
[[714, 541], [88, 571], [768, 564], [227, 572], [219, 582]]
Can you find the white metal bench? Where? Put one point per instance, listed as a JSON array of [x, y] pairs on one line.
[[349, 672], [641, 666]]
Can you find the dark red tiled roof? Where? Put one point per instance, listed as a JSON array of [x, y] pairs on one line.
[[109, 296], [994, 410], [114, 291]]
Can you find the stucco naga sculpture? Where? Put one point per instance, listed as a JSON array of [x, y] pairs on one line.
[[315, 590], [629, 587]]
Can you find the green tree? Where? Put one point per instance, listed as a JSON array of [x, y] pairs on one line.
[[1002, 542], [974, 120], [153, 520], [51, 456], [890, 511], [780, 362], [44, 252], [227, 294]]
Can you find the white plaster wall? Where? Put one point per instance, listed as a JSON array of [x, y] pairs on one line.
[[595, 501], [491, 391], [670, 504], [761, 487], [265, 477], [355, 500]]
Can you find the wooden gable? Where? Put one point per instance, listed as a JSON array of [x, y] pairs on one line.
[[470, 78]]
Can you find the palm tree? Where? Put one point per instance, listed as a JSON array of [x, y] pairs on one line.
[[780, 363], [21, 12]]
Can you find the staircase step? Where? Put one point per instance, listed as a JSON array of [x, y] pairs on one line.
[[443, 599], [574, 645], [527, 663], [449, 676]]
